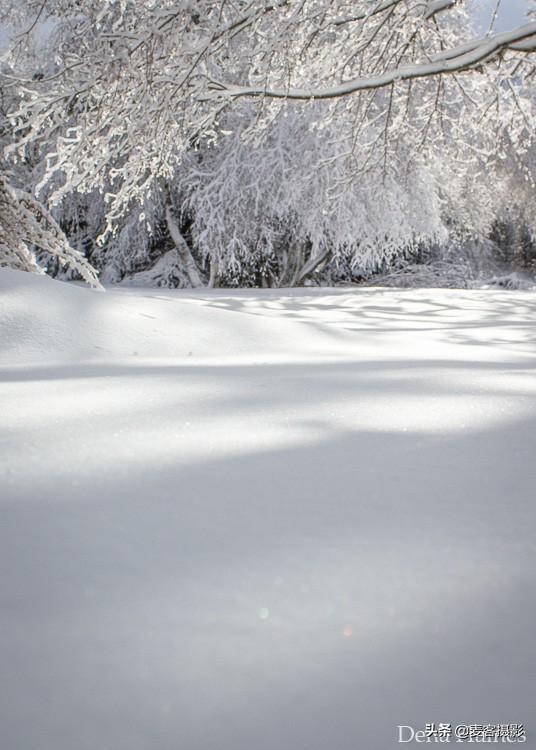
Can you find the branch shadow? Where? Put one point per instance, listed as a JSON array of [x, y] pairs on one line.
[[315, 596]]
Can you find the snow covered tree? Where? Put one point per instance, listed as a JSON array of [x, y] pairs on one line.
[[265, 139], [27, 228]]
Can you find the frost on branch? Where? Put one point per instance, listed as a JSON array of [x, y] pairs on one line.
[[25, 223]]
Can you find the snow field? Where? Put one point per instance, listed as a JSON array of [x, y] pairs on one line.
[[259, 519]]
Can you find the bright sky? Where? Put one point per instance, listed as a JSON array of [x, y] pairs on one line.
[[511, 12]]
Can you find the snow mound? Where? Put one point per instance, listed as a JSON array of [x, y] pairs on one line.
[[44, 320]]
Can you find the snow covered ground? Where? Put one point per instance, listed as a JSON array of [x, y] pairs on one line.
[[253, 520]]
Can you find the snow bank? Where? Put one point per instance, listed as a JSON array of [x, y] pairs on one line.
[[259, 519], [49, 321]]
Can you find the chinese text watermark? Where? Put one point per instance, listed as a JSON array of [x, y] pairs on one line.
[[474, 733]]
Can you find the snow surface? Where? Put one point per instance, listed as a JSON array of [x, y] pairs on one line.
[[250, 520]]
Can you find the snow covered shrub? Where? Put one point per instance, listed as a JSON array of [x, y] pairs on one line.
[[274, 210], [512, 281]]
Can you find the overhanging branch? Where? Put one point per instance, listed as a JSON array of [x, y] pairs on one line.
[[456, 60]]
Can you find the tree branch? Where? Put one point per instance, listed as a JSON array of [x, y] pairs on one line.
[[458, 59]]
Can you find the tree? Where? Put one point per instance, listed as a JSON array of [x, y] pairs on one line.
[[189, 116], [26, 227]]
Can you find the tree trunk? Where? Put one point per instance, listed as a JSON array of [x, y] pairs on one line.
[[213, 279], [309, 266], [187, 259]]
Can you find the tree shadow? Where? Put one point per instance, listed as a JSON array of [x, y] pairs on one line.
[[271, 554], [315, 595]]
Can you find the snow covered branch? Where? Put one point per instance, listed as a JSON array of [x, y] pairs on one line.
[[463, 58], [25, 223]]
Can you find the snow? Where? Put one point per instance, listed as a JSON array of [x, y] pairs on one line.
[[460, 58], [249, 520]]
